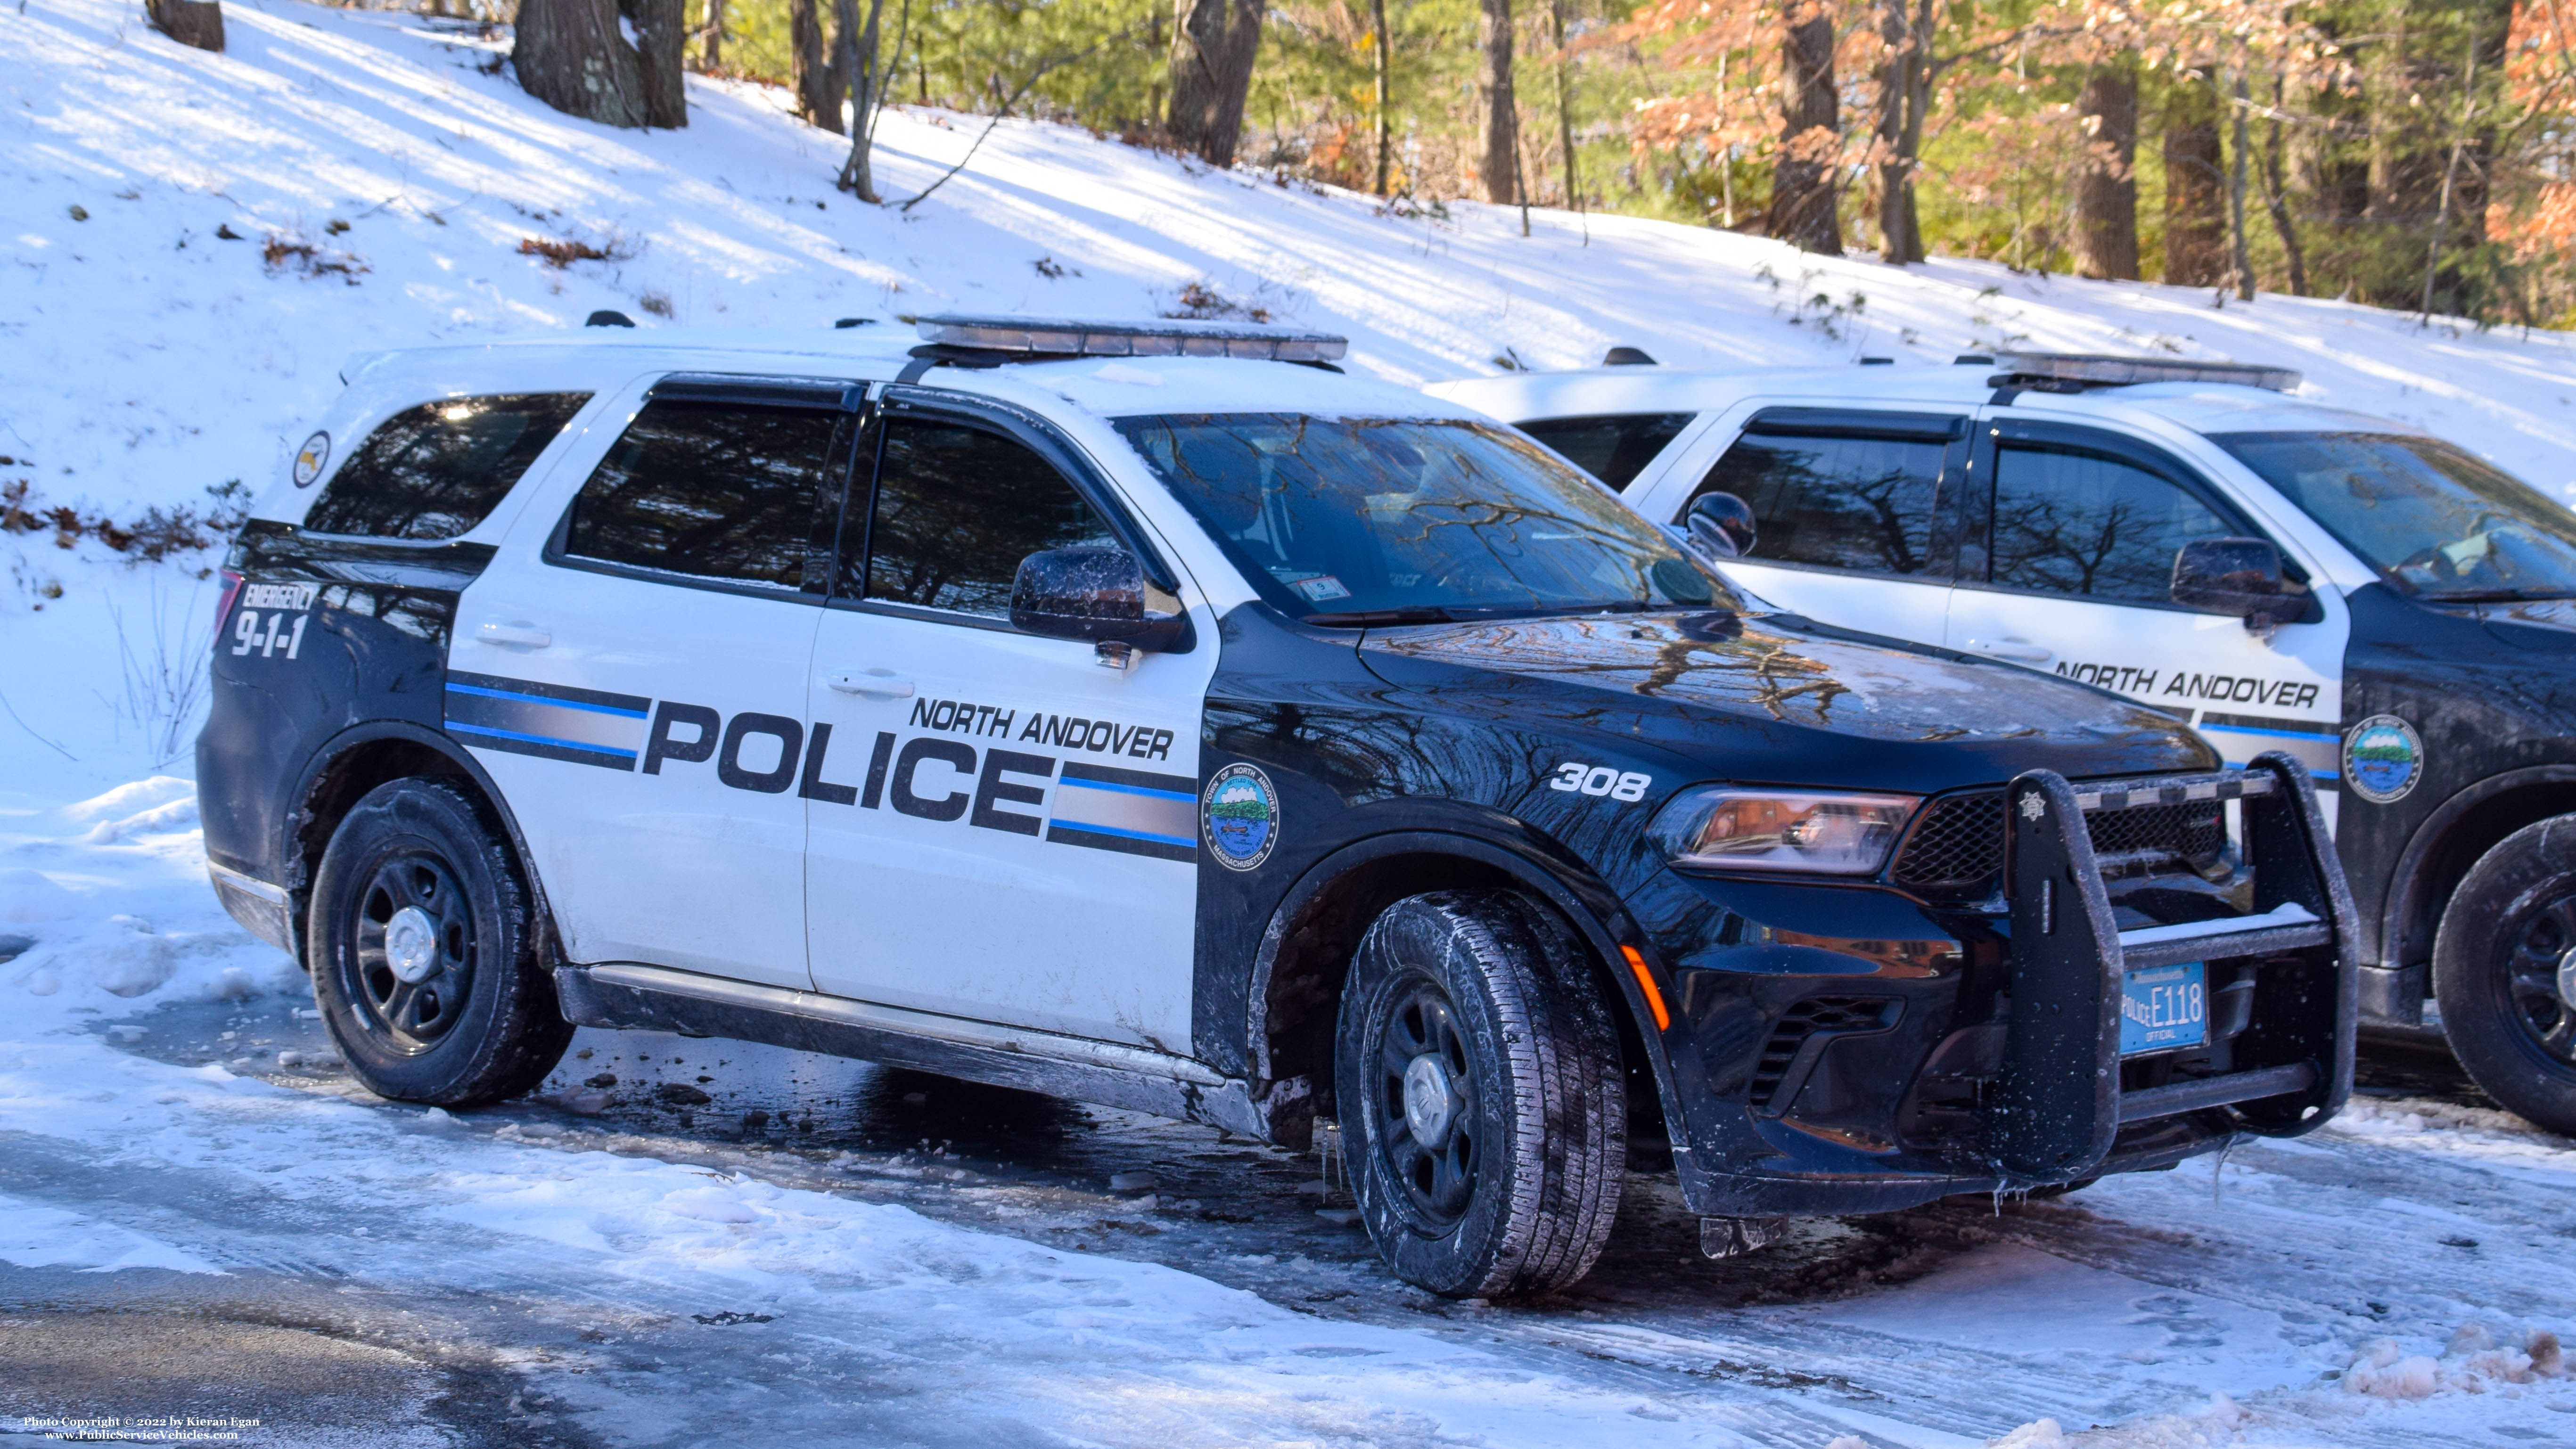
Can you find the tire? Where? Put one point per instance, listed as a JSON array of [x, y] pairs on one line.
[[478, 1020], [2504, 969], [1478, 1009]]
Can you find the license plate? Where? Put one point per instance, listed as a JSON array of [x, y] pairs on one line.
[[2163, 1007]]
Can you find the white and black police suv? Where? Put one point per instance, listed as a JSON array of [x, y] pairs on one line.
[[2381, 605], [1151, 716]]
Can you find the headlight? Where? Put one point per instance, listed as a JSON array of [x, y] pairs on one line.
[[1787, 830]]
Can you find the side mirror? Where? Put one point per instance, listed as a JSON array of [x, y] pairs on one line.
[[1721, 524], [2238, 577], [1089, 593]]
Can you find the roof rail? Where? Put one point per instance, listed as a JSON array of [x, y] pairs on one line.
[[2076, 371]]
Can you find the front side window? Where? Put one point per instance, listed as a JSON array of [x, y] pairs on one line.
[[1863, 503], [2072, 522], [1366, 520], [716, 490], [435, 471], [1612, 449], [2432, 519], [957, 508]]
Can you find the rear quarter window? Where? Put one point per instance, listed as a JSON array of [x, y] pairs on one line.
[[1614, 449], [435, 471]]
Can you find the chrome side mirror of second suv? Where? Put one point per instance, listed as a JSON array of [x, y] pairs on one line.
[[1098, 594], [2238, 577], [1721, 524]]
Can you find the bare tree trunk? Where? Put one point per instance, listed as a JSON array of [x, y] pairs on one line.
[[662, 28], [818, 82], [1498, 169], [712, 57], [1214, 43], [2450, 180], [188, 21], [2195, 192], [869, 70], [2106, 182], [2276, 198], [2240, 257], [569, 55], [1564, 103], [1385, 124], [1903, 89], [1802, 183]]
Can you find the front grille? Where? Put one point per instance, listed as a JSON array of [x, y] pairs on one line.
[[1815, 1014], [1957, 847], [1958, 844]]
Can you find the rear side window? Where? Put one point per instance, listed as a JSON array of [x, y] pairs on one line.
[[2072, 522], [1612, 449], [1864, 503], [439, 469], [712, 489], [957, 508]]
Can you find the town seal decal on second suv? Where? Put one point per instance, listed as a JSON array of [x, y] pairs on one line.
[[1240, 812]]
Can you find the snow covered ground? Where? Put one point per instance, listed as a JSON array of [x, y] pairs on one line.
[[825, 1250]]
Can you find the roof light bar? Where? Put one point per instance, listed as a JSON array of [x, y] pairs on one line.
[[1070, 337], [2103, 371]]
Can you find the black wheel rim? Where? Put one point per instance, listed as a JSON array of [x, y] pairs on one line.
[[2528, 987], [434, 949], [1431, 1158]]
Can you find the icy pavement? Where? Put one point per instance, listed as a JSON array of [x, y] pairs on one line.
[[686, 1242]]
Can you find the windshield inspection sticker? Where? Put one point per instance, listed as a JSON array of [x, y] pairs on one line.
[[1240, 811], [2383, 757]]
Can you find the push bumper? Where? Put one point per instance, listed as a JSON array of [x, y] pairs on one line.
[[1979, 1047]]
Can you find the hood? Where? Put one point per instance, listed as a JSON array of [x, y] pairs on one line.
[[1783, 700], [2547, 625]]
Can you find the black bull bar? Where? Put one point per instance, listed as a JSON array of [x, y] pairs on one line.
[[2059, 1104]]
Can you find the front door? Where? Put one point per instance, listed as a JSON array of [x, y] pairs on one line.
[[1856, 513], [634, 680], [1005, 828], [2068, 568]]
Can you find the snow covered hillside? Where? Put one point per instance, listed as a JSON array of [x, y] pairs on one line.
[[649, 1252]]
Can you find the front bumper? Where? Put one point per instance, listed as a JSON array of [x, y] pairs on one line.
[[1846, 1049]]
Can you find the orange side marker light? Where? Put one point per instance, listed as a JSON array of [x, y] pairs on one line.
[[1646, 983]]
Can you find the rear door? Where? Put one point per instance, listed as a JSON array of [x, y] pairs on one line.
[[1857, 511], [2067, 566], [633, 676], [1005, 827]]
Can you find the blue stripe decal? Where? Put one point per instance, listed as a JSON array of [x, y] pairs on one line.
[[454, 688], [1128, 834], [2231, 729], [1075, 782], [542, 740]]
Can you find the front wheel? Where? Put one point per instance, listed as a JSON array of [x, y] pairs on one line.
[[424, 958], [1478, 1075], [2504, 973]]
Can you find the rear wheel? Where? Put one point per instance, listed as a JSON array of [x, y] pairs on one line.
[[1477, 1071], [2504, 973], [424, 962]]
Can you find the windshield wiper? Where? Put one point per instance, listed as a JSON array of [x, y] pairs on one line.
[[1370, 618], [2497, 596]]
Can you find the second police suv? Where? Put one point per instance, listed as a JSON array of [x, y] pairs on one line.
[[1151, 716], [2408, 611]]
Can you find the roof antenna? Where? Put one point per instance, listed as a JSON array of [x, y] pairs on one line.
[[606, 318], [1626, 357]]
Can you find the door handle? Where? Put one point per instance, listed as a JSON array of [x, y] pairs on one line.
[[2019, 651], [519, 632], [884, 683]]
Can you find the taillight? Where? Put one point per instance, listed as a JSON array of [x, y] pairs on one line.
[[224, 605]]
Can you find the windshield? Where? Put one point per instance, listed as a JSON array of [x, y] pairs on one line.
[[1359, 521], [2432, 519]]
